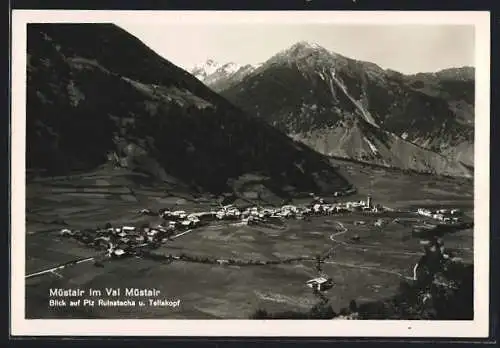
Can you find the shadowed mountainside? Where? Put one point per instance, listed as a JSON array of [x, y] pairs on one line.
[[96, 94]]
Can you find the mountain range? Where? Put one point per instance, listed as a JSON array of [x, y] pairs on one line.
[[97, 96], [353, 109], [221, 76]]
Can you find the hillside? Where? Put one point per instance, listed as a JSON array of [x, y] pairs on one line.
[[456, 86], [325, 99], [97, 95]]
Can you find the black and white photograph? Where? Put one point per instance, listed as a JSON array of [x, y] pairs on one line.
[[247, 167]]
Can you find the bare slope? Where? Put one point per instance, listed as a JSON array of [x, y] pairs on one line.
[[362, 141]]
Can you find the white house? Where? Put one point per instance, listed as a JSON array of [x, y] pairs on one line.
[[320, 283], [317, 208], [152, 232], [438, 216], [178, 214], [66, 232], [187, 223], [145, 211], [118, 252], [424, 212]]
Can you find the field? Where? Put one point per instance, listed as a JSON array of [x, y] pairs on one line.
[[365, 269]]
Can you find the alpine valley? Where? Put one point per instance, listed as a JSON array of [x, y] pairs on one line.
[[300, 188]]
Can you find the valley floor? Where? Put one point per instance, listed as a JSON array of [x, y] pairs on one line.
[[368, 268]]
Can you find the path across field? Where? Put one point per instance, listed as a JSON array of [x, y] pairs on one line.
[[61, 266], [344, 230]]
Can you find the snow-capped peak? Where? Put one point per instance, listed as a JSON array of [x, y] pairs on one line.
[[207, 68], [307, 44], [303, 49], [218, 76], [230, 68], [211, 71], [307, 54]]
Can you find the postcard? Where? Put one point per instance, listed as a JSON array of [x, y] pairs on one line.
[[249, 173]]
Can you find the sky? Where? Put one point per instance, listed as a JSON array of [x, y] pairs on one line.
[[405, 48]]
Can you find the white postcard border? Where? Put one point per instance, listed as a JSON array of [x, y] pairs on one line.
[[479, 327]]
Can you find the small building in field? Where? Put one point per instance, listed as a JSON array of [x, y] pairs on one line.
[[320, 284], [119, 253], [66, 232]]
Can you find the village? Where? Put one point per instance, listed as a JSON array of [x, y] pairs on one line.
[[126, 240], [123, 241], [444, 215]]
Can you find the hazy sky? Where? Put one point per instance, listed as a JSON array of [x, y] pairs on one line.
[[404, 48]]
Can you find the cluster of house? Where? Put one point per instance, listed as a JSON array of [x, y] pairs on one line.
[[363, 205], [257, 214], [121, 241], [317, 207], [229, 213], [180, 219], [443, 215]]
